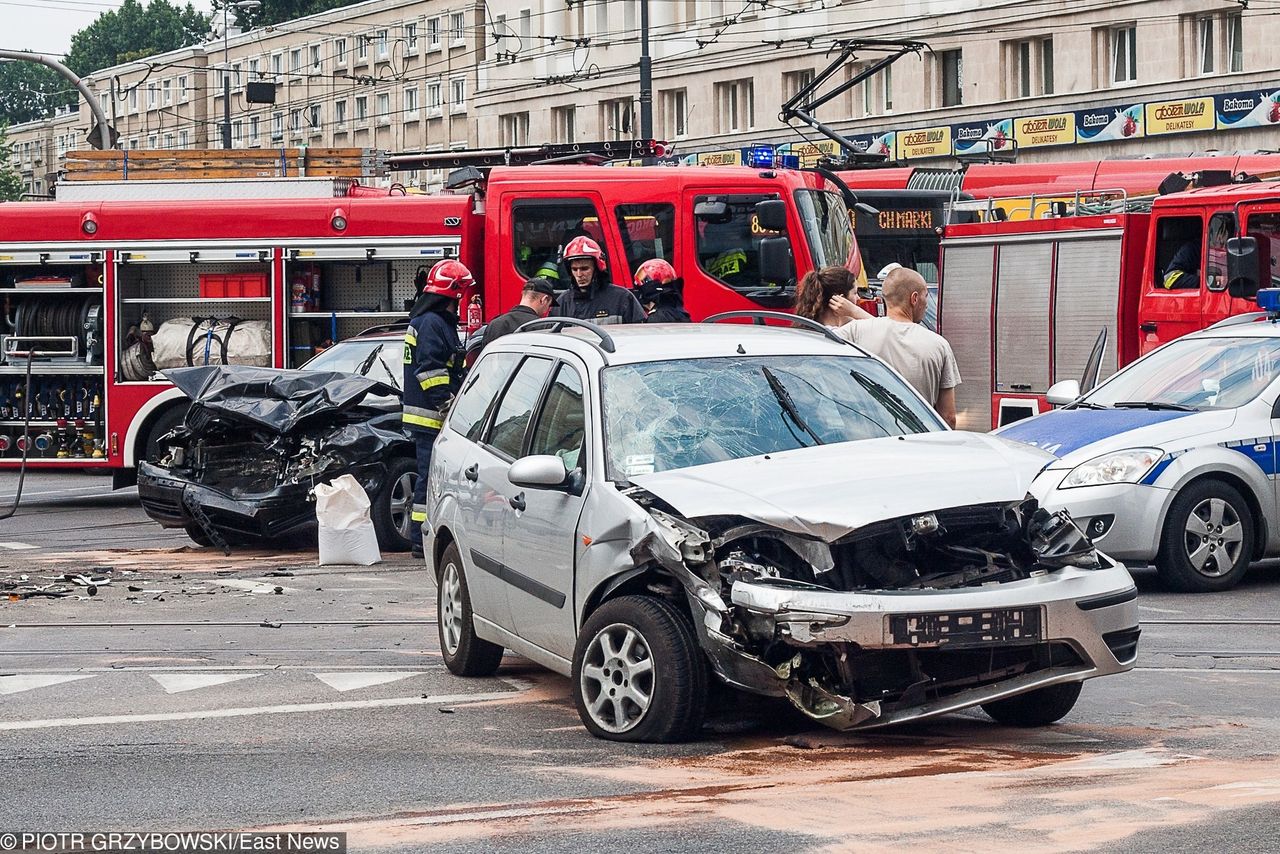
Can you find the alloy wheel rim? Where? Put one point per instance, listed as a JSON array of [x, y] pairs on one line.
[[618, 677], [402, 503], [451, 608], [1213, 537]]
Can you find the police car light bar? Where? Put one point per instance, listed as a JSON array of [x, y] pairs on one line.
[[1269, 300]]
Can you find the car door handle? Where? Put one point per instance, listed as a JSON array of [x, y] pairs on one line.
[[517, 501], [1148, 326], [472, 473]]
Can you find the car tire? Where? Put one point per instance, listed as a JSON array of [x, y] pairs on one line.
[[1040, 707], [198, 535], [639, 673], [392, 506], [1207, 541], [168, 420], [465, 653]]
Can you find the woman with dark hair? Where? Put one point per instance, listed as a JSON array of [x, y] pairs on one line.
[[828, 295]]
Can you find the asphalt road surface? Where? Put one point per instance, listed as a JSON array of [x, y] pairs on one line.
[[262, 691]]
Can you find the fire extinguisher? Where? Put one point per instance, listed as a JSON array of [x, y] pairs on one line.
[[475, 314]]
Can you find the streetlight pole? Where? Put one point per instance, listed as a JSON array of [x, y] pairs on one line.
[[226, 65], [646, 75]]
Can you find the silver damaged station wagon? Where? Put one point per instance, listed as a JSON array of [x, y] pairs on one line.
[[646, 508]]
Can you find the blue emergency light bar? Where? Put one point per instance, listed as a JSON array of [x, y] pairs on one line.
[[1269, 300]]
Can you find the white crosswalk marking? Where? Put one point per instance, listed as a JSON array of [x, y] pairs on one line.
[[17, 547], [28, 681], [352, 681], [176, 683]]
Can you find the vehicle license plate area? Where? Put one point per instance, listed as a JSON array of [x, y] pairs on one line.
[[967, 628]]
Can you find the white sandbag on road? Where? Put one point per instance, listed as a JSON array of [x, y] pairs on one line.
[[346, 530]]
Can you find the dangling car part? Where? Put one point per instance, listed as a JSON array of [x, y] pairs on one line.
[[254, 443]]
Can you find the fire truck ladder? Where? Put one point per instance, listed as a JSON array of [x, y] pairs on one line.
[[805, 102], [482, 158], [1053, 205]]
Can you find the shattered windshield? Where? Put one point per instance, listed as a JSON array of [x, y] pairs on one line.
[[669, 415]]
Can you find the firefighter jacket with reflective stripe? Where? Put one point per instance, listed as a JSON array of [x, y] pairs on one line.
[[431, 372], [601, 303]]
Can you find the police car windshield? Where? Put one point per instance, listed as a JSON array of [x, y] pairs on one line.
[[827, 227], [670, 415], [1195, 373]]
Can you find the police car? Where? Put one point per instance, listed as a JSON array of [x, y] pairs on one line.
[[1173, 460]]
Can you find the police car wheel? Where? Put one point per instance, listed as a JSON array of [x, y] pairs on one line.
[[1207, 540]]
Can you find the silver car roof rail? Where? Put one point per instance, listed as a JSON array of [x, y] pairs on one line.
[[557, 324], [1239, 319], [759, 318]]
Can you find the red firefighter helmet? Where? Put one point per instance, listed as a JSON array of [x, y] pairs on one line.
[[655, 271], [584, 247], [447, 278]]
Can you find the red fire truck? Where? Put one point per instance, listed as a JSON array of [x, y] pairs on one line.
[[84, 277], [1022, 302]]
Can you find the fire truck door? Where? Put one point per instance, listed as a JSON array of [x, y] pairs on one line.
[[540, 226], [964, 319], [1023, 284], [1173, 294], [719, 254], [1086, 300]]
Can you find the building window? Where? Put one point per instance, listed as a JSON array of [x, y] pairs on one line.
[[458, 94], [295, 60], [384, 43], [794, 81], [166, 87], [565, 121], [340, 52], [384, 109], [237, 133], [411, 102], [277, 126], [675, 112], [295, 120], [886, 88], [1235, 42], [151, 96], [362, 108], [253, 130], [133, 100], [458, 25], [182, 88], [340, 113], [616, 118], [433, 98], [951, 77], [433, 33], [1028, 68], [315, 115], [1205, 63], [362, 47], [1124, 53], [151, 142], [735, 106], [411, 37], [315, 57], [255, 69], [168, 140], [277, 63], [513, 129], [526, 27]]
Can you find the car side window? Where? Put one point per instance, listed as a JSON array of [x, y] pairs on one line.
[[515, 410], [561, 425], [477, 397]]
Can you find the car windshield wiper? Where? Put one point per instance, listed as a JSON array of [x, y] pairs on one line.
[[788, 404], [1154, 405], [892, 403], [1084, 404], [363, 370]]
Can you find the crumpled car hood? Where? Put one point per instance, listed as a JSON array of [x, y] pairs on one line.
[[831, 490], [273, 399]]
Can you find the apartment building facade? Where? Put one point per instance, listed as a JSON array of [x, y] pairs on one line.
[[1062, 79]]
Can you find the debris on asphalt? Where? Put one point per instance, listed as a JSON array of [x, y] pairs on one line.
[[278, 591], [278, 573], [269, 624]]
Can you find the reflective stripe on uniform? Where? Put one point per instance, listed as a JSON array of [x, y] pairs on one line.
[[410, 336], [419, 513], [430, 418], [428, 379]]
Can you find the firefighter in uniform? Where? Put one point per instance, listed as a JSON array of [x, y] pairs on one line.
[[591, 296], [431, 370], [660, 292]]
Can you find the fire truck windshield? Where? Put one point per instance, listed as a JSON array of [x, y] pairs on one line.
[[827, 227]]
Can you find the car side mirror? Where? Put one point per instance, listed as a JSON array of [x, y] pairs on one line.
[[775, 260], [1244, 267], [771, 215], [1063, 392], [540, 471]]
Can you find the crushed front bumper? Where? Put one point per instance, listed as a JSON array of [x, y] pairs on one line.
[[280, 512], [1077, 623]]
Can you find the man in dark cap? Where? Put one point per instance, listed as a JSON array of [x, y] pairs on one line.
[[536, 300]]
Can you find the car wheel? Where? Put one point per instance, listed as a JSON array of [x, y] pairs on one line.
[[638, 672], [465, 654], [168, 420], [1207, 540], [392, 507], [1040, 707], [198, 535]]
